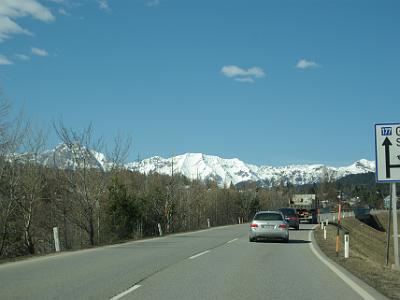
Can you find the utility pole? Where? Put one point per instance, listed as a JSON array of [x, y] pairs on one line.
[[388, 230]]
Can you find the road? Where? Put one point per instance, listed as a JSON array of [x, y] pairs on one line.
[[219, 263]]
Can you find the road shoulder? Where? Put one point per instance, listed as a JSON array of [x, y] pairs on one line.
[[362, 288]]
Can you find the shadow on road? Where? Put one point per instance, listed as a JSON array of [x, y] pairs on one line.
[[299, 242], [291, 241]]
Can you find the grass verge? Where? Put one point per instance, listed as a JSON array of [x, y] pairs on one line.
[[367, 255]]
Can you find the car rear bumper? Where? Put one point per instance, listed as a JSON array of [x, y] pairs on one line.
[[272, 234], [306, 219], [293, 224]]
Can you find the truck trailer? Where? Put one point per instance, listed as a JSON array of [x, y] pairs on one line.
[[306, 207]]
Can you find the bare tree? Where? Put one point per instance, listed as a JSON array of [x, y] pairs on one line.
[[31, 184], [85, 177], [12, 140], [120, 151]]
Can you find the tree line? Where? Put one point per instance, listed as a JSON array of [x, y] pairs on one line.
[[93, 206]]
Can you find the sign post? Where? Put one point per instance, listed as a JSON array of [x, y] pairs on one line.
[[395, 229], [387, 149]]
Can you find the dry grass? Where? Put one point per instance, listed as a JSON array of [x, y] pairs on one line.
[[367, 255]]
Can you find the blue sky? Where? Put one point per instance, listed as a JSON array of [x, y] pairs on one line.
[[268, 82]]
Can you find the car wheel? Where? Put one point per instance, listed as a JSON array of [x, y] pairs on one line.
[[298, 227], [286, 240], [252, 239]]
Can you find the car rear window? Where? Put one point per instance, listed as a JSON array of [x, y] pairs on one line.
[[288, 211], [268, 217]]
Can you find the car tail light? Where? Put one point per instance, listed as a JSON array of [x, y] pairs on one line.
[[282, 226], [253, 225]]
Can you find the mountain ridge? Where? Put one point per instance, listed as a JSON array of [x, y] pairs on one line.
[[226, 171], [209, 167]]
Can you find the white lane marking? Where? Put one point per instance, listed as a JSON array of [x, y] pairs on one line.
[[119, 296], [231, 241], [358, 289], [166, 236], [199, 254]]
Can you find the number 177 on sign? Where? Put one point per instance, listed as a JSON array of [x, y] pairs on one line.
[[385, 131]]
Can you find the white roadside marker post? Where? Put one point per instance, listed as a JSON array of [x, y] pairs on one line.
[[326, 222], [159, 229], [208, 223], [56, 239], [324, 232], [346, 245], [322, 224]]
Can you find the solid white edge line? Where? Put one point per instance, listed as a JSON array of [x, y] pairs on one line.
[[119, 296], [358, 289], [231, 241], [199, 254]]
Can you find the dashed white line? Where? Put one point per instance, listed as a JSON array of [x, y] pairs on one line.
[[199, 254], [119, 296], [231, 241]]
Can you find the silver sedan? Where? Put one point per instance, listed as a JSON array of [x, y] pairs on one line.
[[269, 224]]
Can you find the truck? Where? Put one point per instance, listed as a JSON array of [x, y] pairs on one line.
[[306, 207]]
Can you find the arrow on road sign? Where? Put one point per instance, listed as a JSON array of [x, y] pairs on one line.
[[387, 145]]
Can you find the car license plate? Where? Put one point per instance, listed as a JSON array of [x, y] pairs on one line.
[[268, 226]]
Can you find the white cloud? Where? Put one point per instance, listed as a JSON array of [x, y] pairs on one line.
[[234, 71], [153, 2], [103, 5], [242, 75], [23, 8], [39, 52], [5, 61], [9, 27], [305, 64], [22, 56], [13, 9]]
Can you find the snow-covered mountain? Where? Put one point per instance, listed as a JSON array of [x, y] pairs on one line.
[[206, 167], [226, 171], [70, 157]]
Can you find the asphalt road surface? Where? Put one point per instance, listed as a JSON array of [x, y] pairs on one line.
[[219, 263]]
